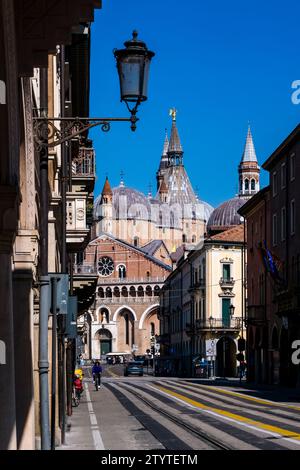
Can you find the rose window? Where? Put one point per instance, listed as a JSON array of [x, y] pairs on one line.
[[105, 266]]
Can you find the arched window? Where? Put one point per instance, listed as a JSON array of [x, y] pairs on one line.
[[132, 291], [194, 239], [136, 241], [184, 238], [253, 184], [124, 292], [116, 292], [246, 184], [149, 291], [108, 292], [122, 271], [152, 329], [101, 292], [140, 291]]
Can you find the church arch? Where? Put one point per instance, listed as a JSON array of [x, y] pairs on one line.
[[147, 313], [122, 308]]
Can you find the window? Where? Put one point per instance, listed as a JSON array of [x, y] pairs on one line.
[[184, 238], [274, 229], [246, 185], [283, 223], [194, 239], [283, 175], [226, 272], [136, 241], [274, 183], [122, 271], [292, 166], [152, 329], [253, 184], [293, 217]]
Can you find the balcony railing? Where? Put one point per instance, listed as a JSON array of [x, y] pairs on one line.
[[234, 323], [227, 281], [129, 300], [92, 269], [84, 163]]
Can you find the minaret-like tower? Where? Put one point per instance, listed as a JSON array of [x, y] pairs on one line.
[[106, 205], [249, 169], [175, 151], [163, 162]]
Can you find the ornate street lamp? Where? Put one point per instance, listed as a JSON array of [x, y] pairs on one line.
[[231, 310], [133, 64]]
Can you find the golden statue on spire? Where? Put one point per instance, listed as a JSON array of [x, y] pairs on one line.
[[173, 113]]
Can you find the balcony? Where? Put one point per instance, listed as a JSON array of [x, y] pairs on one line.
[[92, 269], [77, 230], [83, 169], [256, 315], [227, 282], [212, 323]]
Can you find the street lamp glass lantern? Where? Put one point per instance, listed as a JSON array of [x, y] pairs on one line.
[[133, 64]]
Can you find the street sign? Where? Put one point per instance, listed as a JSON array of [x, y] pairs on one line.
[[157, 346], [211, 347]]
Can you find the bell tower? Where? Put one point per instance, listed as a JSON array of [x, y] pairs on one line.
[[248, 169]]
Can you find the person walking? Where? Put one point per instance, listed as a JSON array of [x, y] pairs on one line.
[[96, 372]]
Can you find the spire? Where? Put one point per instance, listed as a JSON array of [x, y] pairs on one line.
[[174, 144], [248, 169], [249, 154], [122, 184], [106, 191], [166, 145]]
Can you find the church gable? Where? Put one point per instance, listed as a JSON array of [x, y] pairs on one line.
[[115, 258]]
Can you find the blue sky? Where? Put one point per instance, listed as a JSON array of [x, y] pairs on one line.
[[221, 64]]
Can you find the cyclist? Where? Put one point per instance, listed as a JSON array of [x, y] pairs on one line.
[[97, 371], [78, 386]]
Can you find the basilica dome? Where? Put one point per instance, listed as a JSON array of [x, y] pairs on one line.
[[127, 203], [226, 214]]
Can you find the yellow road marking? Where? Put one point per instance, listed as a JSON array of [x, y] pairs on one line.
[[112, 373], [236, 417], [246, 397]]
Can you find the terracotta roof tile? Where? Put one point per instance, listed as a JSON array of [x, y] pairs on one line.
[[234, 234]]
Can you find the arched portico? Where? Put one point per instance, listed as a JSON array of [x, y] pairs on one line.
[[149, 311], [120, 309]]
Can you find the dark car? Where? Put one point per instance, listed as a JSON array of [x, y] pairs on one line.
[[140, 360], [134, 368]]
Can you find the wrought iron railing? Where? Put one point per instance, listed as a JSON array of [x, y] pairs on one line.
[[219, 323], [227, 281], [84, 163]]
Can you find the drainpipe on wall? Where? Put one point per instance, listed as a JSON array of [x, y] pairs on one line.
[[43, 363]]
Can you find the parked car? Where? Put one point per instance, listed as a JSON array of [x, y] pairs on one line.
[[141, 359], [134, 368]]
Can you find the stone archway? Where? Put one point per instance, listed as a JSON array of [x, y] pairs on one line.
[[126, 335], [149, 324], [226, 357], [104, 337]]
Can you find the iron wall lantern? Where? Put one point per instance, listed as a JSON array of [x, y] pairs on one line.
[[231, 310], [133, 64]]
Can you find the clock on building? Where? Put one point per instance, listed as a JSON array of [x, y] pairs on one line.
[[105, 266]]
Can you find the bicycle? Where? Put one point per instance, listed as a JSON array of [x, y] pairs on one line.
[[75, 397], [97, 379]]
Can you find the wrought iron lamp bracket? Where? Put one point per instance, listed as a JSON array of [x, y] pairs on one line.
[[50, 132]]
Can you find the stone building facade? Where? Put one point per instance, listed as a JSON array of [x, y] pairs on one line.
[[30, 87], [123, 316], [273, 318]]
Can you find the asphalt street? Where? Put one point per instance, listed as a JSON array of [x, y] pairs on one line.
[[147, 413]]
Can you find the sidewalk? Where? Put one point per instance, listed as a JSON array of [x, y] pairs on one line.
[[101, 422]]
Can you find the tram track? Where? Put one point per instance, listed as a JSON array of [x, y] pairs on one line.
[[214, 443]]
